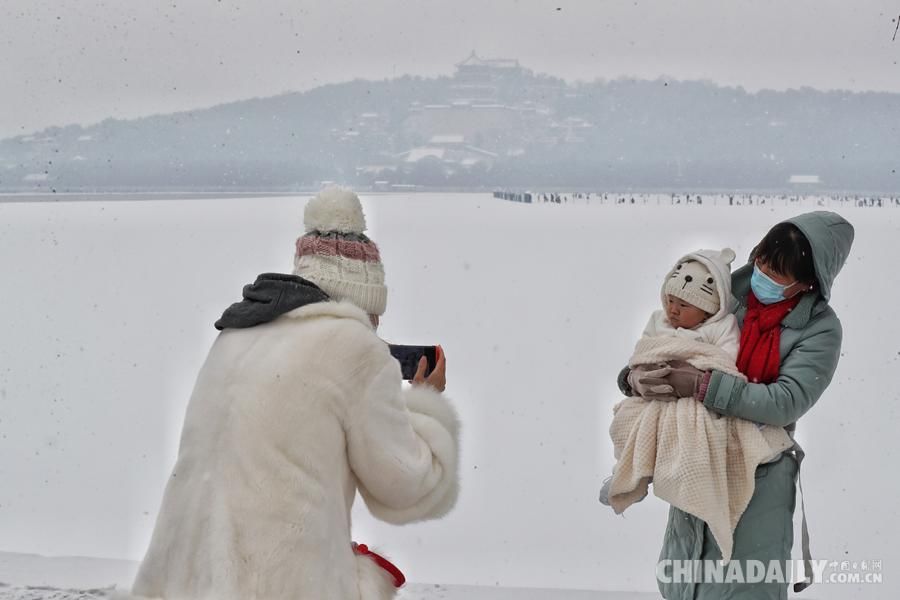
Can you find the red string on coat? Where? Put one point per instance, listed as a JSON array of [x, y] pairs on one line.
[[391, 568]]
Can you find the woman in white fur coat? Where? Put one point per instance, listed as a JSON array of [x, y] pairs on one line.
[[299, 404]]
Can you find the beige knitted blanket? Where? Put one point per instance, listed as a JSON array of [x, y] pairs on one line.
[[699, 461]]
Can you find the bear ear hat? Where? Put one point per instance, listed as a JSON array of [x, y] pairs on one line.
[[728, 255]]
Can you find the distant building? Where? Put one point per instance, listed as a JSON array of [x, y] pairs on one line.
[[804, 180], [477, 124], [571, 130], [485, 73], [417, 154], [479, 80], [447, 140], [492, 105], [451, 155], [379, 176], [375, 169]]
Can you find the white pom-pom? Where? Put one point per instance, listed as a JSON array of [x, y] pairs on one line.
[[335, 209]]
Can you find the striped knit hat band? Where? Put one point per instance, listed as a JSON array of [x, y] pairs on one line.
[[336, 255]]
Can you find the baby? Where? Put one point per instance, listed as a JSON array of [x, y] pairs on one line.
[[695, 300], [695, 296]]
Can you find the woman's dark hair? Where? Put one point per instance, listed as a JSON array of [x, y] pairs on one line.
[[786, 251]]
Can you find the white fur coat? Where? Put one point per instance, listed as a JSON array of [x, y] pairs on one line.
[[286, 420]]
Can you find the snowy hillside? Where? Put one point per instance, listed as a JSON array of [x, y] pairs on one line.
[[109, 309]]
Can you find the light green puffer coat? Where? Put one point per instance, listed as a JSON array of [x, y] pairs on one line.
[[810, 349]]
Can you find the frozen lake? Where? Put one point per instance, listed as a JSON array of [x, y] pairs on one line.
[[109, 308]]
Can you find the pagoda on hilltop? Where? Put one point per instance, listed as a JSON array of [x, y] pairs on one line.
[[476, 67], [479, 79]]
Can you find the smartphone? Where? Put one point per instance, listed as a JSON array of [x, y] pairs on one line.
[[409, 356]]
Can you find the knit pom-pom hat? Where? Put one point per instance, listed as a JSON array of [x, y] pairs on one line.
[[335, 253]]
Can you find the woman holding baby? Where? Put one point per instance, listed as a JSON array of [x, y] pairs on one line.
[[790, 342]]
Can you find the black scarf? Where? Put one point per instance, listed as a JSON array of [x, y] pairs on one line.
[[270, 296]]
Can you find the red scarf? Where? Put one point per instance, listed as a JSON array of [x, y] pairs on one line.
[[760, 358]]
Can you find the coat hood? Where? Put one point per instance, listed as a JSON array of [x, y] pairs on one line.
[[830, 236], [718, 263], [270, 296]]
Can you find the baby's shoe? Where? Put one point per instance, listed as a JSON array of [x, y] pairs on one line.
[[604, 491]]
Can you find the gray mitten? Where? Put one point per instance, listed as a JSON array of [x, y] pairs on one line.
[[649, 382]]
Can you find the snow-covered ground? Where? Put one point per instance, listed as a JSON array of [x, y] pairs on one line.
[[108, 310], [412, 592], [40, 578]]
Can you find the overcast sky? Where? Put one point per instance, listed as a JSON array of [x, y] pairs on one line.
[[80, 61]]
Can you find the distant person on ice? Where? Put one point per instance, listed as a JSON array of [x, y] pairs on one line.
[[299, 404], [697, 460]]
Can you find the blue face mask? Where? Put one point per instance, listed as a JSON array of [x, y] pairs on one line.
[[766, 290]]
